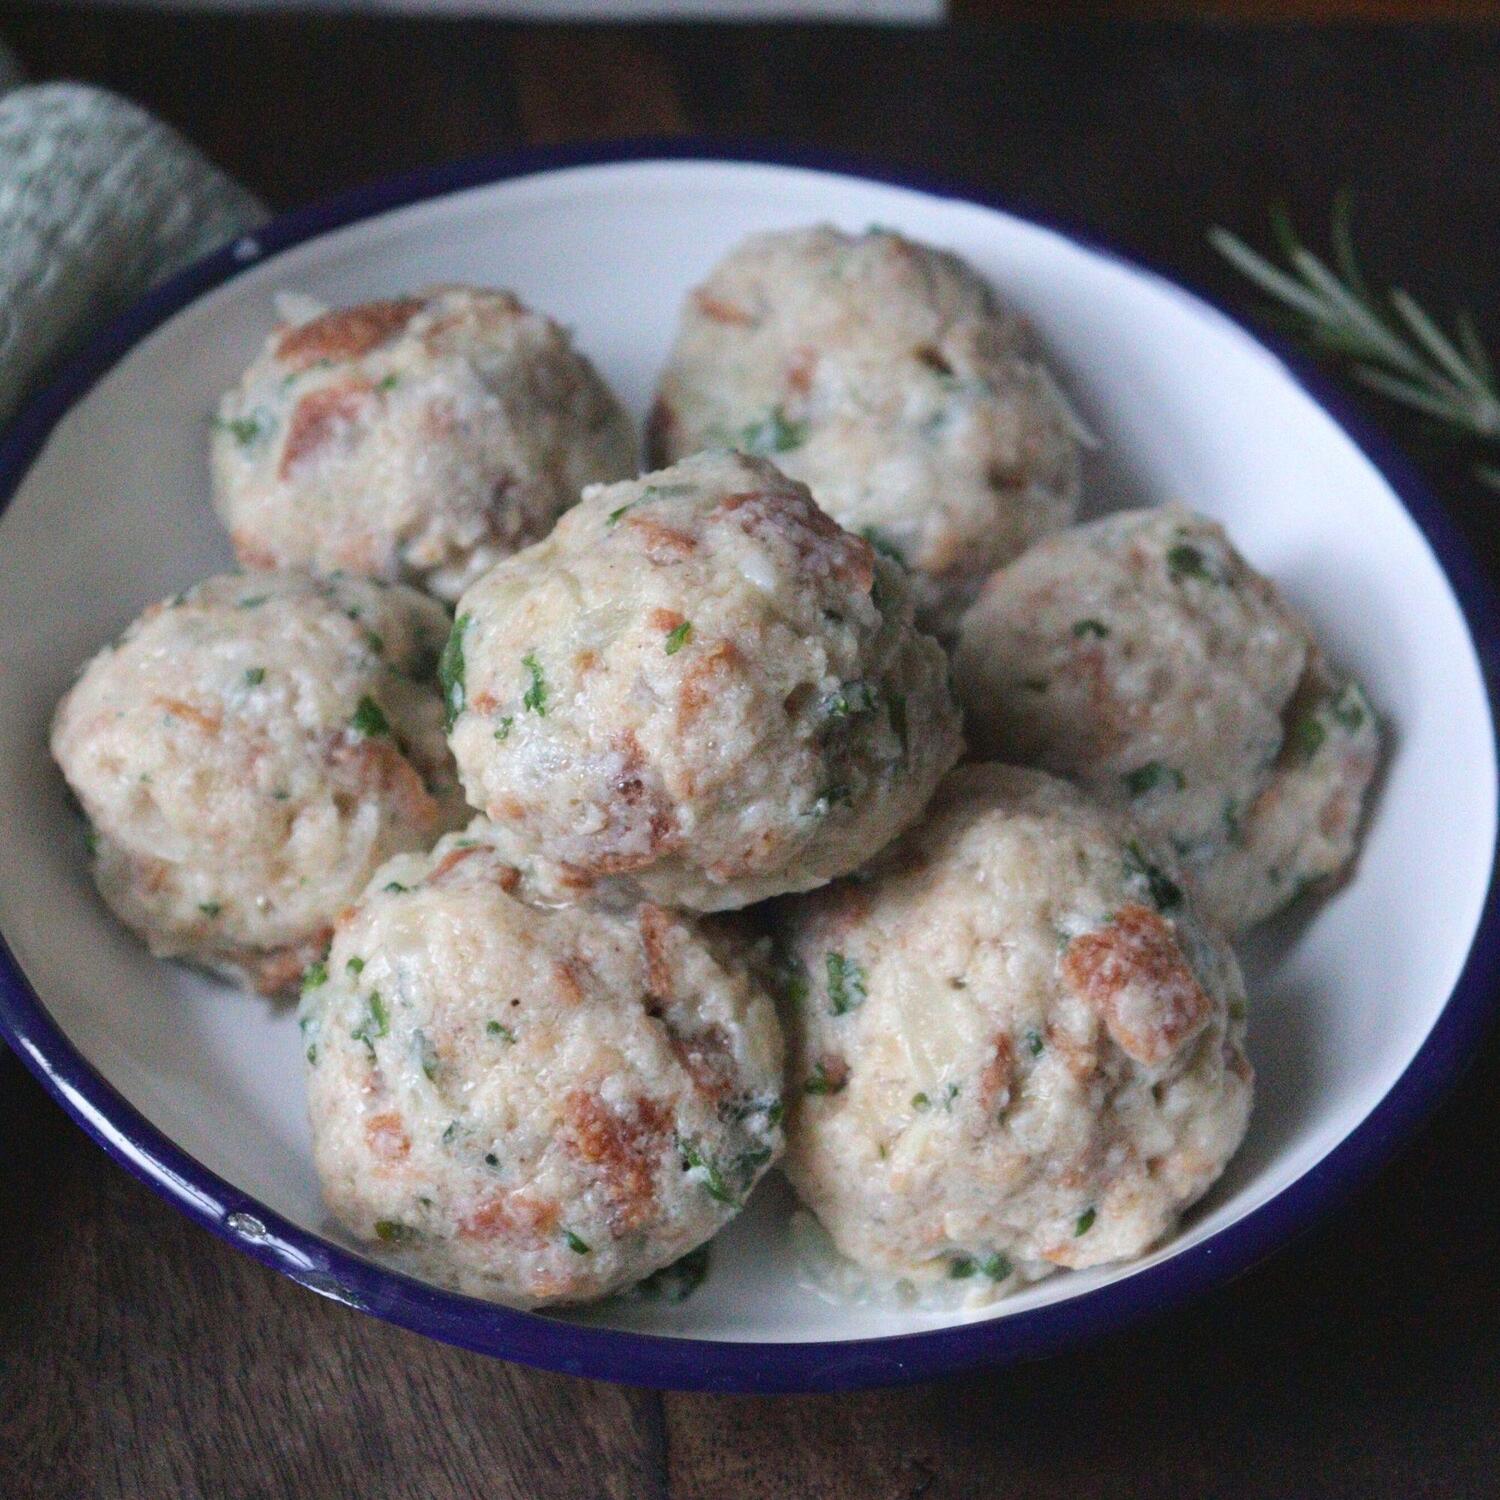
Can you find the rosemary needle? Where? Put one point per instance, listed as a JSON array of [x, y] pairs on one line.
[[1390, 344]]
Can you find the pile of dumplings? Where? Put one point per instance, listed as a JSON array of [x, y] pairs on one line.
[[823, 797]]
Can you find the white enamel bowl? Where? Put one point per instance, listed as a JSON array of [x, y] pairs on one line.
[[1362, 1008]]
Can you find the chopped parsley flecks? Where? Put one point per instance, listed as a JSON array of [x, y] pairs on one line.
[[388, 383], [376, 642], [496, 1028], [733, 1111], [1237, 1010], [1351, 708], [997, 1267], [1084, 628], [961, 1267], [376, 1022], [678, 637], [1164, 891], [923, 1100], [251, 601], [651, 492], [846, 984], [1085, 1222], [313, 975], [490, 1159], [772, 433], [534, 700], [288, 381], [451, 672], [427, 1055], [210, 908], [395, 888], [852, 698], [254, 676], [309, 1027], [677, 1282], [1186, 561], [503, 732], [451, 1133], [1307, 736], [90, 839], [795, 983], [750, 1161], [391, 1232], [882, 543], [822, 1082], [246, 431], [355, 967], [1154, 776], [369, 719], [1034, 1043], [696, 1160]]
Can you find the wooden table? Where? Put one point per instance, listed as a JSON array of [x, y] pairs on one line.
[[141, 1357]]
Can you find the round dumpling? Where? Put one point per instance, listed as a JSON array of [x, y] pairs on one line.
[[534, 1105], [1014, 1047], [419, 439], [1144, 658], [249, 752], [699, 690], [884, 374]]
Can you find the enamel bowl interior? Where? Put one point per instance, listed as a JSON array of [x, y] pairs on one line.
[[113, 514]]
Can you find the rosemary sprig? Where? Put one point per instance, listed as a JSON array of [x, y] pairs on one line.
[[1389, 344]]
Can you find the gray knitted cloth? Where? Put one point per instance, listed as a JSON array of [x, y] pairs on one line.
[[98, 200], [10, 69]]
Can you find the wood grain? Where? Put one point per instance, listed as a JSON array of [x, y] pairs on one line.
[[592, 84], [1243, 12], [141, 1357]]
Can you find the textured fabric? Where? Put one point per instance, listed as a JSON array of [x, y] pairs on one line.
[[10, 69], [98, 200]]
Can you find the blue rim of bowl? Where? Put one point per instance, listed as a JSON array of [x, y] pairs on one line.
[[695, 1364]]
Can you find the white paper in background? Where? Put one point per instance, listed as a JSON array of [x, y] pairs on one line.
[[880, 11]]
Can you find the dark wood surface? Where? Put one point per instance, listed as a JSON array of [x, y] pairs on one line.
[[141, 1357], [1228, 10]]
